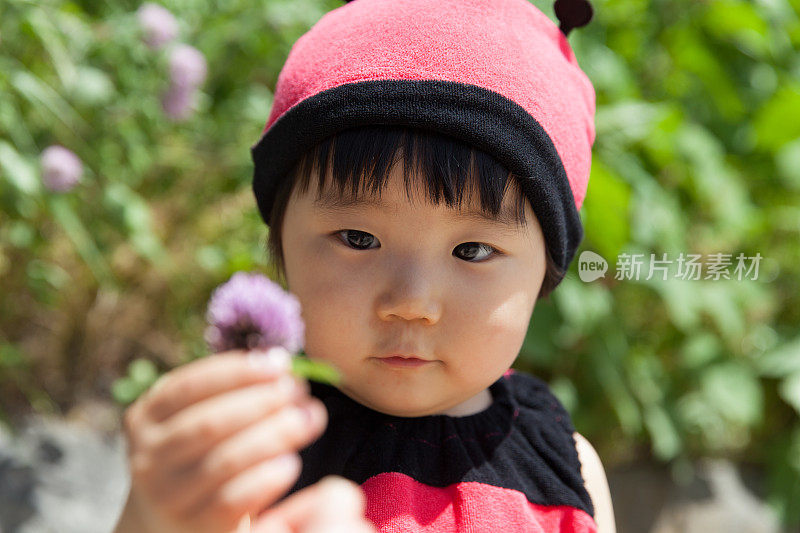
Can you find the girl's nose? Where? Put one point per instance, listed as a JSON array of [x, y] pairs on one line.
[[411, 295]]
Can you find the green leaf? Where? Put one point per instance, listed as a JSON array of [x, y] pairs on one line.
[[657, 220], [734, 392], [717, 184], [125, 390], [740, 22], [564, 389], [605, 211], [699, 350], [681, 300], [40, 94], [693, 59], [718, 300], [316, 370], [134, 213], [211, 258], [582, 304], [91, 86], [781, 361], [18, 171], [666, 440], [789, 389], [143, 372], [53, 41], [788, 162], [609, 73], [778, 121], [52, 274], [629, 121], [81, 238], [20, 234], [606, 362], [11, 356]]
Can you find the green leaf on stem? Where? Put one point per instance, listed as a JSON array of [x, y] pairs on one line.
[[315, 370]]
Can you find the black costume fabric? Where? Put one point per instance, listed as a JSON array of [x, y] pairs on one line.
[[512, 467]]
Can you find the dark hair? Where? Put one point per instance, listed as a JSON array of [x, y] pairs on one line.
[[370, 151]]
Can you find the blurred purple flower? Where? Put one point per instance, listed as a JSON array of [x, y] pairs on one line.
[[158, 24], [178, 102], [61, 169], [251, 311], [187, 66]]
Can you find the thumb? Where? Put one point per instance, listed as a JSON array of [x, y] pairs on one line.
[[332, 499]]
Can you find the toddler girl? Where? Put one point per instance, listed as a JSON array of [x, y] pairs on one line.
[[421, 173]]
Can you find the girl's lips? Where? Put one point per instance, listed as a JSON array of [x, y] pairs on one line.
[[401, 362]]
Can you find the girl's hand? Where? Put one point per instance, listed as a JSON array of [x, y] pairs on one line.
[[333, 505], [216, 439]]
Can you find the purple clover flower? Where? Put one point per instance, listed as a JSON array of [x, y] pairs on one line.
[[178, 102], [158, 25], [61, 168], [187, 66], [251, 311]]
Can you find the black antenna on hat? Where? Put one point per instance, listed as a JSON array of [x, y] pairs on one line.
[[573, 14]]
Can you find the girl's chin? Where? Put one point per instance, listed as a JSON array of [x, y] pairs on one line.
[[395, 403]]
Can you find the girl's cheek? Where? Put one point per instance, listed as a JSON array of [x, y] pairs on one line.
[[333, 294]]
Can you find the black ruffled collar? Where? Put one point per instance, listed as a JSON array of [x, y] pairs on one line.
[[499, 414], [522, 441]]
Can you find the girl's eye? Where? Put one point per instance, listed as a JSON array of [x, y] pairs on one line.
[[361, 240], [358, 239], [472, 250]]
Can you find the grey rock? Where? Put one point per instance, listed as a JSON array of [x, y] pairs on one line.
[[61, 477], [730, 507]]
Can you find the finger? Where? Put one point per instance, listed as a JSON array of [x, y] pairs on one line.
[[244, 524], [211, 376], [289, 430], [189, 434], [250, 491], [333, 498], [360, 526]]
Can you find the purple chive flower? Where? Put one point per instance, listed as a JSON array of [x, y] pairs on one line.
[[178, 102], [250, 311], [61, 169], [158, 25], [187, 66]]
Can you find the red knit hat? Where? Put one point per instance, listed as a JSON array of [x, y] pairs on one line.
[[496, 74]]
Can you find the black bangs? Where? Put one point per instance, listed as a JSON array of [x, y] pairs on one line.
[[359, 161]]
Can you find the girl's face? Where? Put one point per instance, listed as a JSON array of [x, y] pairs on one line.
[[417, 280]]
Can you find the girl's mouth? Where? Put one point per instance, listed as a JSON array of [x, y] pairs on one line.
[[401, 362]]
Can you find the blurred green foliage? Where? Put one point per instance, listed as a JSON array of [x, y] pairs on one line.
[[697, 151], [142, 373]]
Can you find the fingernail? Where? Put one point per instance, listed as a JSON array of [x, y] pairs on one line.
[[286, 462], [306, 414], [285, 384], [310, 414], [272, 361]]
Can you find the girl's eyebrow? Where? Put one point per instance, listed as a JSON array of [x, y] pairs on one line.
[[333, 203]]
